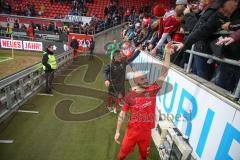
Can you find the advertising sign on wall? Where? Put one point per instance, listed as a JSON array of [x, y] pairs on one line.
[[72, 18], [80, 38], [32, 46], [21, 45], [15, 44], [211, 124]]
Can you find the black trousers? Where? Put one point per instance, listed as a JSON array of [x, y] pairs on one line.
[[49, 76]]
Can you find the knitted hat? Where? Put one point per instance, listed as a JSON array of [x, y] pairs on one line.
[[159, 11], [181, 2]]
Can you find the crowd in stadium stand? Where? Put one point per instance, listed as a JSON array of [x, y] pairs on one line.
[[190, 22], [193, 23], [78, 8], [114, 15]]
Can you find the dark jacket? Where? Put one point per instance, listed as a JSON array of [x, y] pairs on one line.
[[74, 44], [236, 35], [203, 32], [115, 71], [92, 45], [235, 20], [45, 60], [189, 21], [232, 51]]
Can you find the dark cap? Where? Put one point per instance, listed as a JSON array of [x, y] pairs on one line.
[[50, 45]]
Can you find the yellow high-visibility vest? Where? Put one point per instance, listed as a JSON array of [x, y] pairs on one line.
[[51, 61]]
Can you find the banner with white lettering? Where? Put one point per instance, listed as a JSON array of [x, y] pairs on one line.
[[80, 38], [72, 18], [22, 45], [8, 43], [32, 46], [210, 122]]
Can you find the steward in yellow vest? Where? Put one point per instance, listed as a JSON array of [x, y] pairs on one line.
[[49, 62]]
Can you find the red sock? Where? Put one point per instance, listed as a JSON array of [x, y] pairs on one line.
[[117, 103], [75, 54]]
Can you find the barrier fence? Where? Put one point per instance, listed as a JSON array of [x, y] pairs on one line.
[[210, 120], [236, 94], [214, 114], [16, 89]]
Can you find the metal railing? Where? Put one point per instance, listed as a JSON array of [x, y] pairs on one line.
[[236, 94], [16, 89]]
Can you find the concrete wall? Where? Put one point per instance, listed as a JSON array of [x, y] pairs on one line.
[[107, 36]]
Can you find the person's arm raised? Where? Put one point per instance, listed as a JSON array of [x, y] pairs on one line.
[[166, 64]]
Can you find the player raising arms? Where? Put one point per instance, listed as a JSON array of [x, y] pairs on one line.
[[114, 74], [141, 102]]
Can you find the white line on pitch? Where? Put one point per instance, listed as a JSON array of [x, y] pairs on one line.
[[6, 141], [44, 94], [26, 111], [65, 75]]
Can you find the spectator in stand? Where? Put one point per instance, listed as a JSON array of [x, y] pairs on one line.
[[1, 6], [42, 10], [155, 24], [1, 30], [74, 44], [126, 15], [182, 3], [132, 17], [16, 24], [89, 1], [171, 25], [58, 16], [32, 9], [203, 33], [105, 11], [7, 8], [227, 75], [27, 10], [51, 26], [17, 9], [191, 16], [71, 11], [62, 2], [9, 30], [85, 10], [23, 27], [30, 32]]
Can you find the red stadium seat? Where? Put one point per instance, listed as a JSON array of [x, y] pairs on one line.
[[96, 8]]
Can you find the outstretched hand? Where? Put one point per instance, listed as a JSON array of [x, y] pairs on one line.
[[177, 46], [116, 137], [169, 48], [226, 41]]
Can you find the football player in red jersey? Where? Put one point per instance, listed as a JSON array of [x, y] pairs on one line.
[[141, 102]]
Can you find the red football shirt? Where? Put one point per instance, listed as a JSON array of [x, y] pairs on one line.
[[171, 25], [142, 107]]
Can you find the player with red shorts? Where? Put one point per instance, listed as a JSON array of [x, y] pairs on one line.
[[114, 74], [141, 102]]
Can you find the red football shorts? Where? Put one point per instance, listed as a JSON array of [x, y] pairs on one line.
[[132, 137], [75, 52]]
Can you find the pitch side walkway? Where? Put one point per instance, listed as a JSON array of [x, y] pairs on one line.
[[73, 124]]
